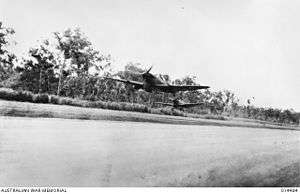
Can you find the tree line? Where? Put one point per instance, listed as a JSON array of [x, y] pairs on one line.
[[67, 64]]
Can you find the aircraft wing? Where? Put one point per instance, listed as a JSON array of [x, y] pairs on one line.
[[190, 105], [174, 88], [135, 83], [165, 104]]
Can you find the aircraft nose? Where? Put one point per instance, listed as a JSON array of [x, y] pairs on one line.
[[144, 75]]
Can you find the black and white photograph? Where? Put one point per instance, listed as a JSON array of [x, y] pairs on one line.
[[149, 93]]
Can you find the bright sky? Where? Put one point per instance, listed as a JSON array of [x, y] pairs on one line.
[[247, 46]]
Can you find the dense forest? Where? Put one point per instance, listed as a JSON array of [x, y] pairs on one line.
[[67, 65]]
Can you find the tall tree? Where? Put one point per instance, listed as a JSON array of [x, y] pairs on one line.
[[6, 57], [38, 71], [83, 59]]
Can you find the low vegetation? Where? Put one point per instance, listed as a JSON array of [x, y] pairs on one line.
[[25, 96], [66, 69]]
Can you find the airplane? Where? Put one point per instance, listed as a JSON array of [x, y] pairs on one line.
[[151, 83], [176, 103]]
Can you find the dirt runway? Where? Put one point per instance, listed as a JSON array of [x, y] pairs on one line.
[[62, 152]]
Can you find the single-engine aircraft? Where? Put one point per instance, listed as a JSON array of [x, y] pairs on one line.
[[176, 103], [151, 83]]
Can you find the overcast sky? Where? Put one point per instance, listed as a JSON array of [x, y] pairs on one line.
[[247, 46]]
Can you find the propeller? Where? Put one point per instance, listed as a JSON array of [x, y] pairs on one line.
[[143, 73]]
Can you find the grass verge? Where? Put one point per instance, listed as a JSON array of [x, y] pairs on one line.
[[25, 96], [24, 109]]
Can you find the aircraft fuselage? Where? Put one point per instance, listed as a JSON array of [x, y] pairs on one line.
[[150, 82]]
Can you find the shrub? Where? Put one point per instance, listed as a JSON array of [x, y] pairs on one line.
[[178, 113], [24, 96], [41, 98], [136, 107], [113, 106], [146, 109], [8, 94], [105, 105], [143, 108], [155, 111], [54, 99], [64, 101], [77, 102], [216, 117], [96, 104], [125, 106]]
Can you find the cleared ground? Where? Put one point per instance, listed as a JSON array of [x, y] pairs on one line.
[[65, 152]]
